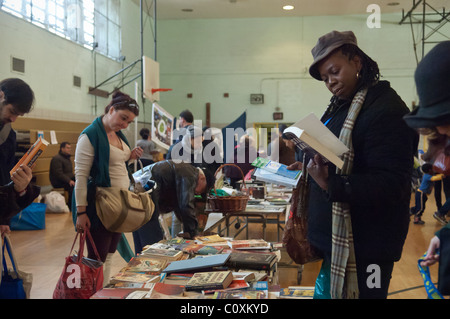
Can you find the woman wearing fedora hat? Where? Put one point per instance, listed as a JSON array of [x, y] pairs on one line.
[[432, 117], [359, 215]]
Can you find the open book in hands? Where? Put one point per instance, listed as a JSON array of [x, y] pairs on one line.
[[312, 137]]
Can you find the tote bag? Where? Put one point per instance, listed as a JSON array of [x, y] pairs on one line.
[[121, 210], [81, 277], [11, 285]]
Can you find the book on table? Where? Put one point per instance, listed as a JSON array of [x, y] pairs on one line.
[[210, 280], [168, 254], [161, 290], [245, 260], [297, 292], [273, 172], [199, 262], [119, 293], [249, 244], [137, 277], [275, 167], [236, 284], [201, 249], [145, 264], [312, 137]]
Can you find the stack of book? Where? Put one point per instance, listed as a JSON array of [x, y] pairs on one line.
[[274, 172], [210, 267]]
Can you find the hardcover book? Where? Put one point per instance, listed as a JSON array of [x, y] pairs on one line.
[[258, 261], [210, 280]]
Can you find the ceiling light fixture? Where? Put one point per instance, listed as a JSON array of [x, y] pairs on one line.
[[392, 4], [187, 10], [288, 7]]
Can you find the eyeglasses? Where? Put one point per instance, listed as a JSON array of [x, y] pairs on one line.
[[126, 104]]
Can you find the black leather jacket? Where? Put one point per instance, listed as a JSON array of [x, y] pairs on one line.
[[176, 184]]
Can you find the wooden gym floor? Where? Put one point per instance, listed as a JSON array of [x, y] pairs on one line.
[[42, 252]]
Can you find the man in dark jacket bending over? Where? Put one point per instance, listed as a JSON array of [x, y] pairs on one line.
[[176, 187], [16, 193]]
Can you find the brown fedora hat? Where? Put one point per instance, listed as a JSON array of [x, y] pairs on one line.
[[327, 44]]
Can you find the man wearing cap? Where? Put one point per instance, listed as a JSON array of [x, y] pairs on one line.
[[364, 206], [433, 113]]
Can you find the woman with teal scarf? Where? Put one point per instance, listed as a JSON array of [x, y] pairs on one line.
[[101, 159]]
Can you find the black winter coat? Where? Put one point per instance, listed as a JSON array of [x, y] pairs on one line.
[[378, 190]]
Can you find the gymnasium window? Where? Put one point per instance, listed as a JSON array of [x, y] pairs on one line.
[[87, 22]]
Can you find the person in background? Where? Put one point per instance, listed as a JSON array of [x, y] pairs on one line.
[[244, 155], [176, 187], [432, 116], [435, 143], [421, 196], [101, 160], [61, 171], [280, 151], [211, 151], [16, 191], [186, 118], [368, 226], [148, 147]]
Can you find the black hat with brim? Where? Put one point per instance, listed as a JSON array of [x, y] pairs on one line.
[[432, 78]]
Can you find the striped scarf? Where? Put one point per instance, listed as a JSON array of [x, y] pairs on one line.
[[343, 281]]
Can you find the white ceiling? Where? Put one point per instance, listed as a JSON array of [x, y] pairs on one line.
[[217, 9]]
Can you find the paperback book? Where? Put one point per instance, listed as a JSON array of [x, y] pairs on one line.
[[313, 137], [145, 264], [269, 177], [33, 153], [276, 168]]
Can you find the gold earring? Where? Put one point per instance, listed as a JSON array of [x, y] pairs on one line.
[[357, 75]]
